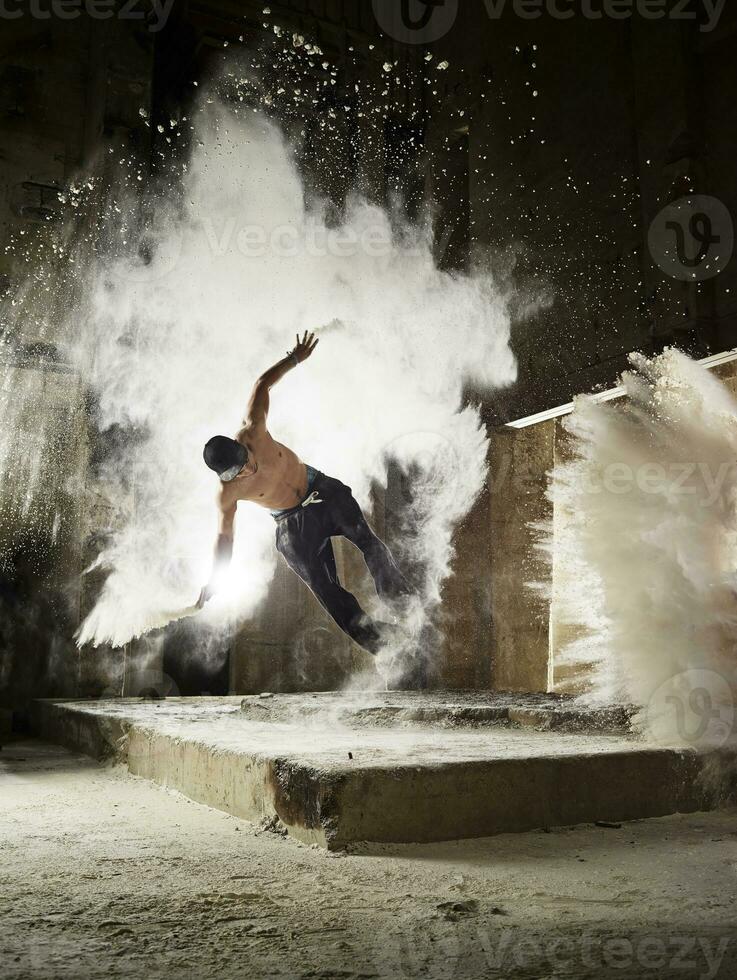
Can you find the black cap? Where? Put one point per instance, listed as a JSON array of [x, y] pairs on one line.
[[225, 456]]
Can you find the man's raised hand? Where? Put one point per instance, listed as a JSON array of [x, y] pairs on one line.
[[305, 346]]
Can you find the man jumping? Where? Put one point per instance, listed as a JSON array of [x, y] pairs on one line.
[[309, 509]]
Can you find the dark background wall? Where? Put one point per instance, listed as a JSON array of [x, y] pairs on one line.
[[547, 148], [561, 185], [627, 116]]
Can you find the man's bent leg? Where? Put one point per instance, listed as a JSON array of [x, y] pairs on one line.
[[316, 567], [389, 581]]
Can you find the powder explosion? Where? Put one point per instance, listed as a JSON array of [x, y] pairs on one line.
[[172, 331], [650, 544]]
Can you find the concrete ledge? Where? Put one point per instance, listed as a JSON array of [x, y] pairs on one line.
[[96, 734], [334, 785], [441, 709], [479, 799]]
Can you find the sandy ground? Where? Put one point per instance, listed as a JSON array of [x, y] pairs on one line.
[[106, 875]]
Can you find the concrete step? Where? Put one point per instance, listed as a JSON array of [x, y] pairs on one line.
[[441, 709], [337, 785]]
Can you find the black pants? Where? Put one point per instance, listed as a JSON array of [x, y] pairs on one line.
[[303, 538]]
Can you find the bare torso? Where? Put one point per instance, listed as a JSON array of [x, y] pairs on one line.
[[275, 477]]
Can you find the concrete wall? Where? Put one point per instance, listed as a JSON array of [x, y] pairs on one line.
[[39, 601], [520, 573], [66, 89], [530, 629]]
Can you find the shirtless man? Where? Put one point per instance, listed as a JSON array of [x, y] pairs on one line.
[[309, 509]]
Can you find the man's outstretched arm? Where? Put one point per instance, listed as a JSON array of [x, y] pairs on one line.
[[223, 554], [258, 406]]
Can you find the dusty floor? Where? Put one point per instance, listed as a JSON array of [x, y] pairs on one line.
[[105, 875]]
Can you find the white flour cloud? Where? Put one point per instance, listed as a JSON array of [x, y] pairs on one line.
[[651, 529], [239, 265]]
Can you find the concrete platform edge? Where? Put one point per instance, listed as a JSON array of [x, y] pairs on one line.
[[417, 804]]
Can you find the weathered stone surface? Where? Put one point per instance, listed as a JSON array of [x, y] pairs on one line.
[[441, 709], [333, 784], [520, 574]]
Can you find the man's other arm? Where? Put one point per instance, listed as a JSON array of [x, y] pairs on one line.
[[258, 406], [223, 553]]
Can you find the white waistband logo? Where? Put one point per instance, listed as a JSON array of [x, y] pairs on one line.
[[314, 498]]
